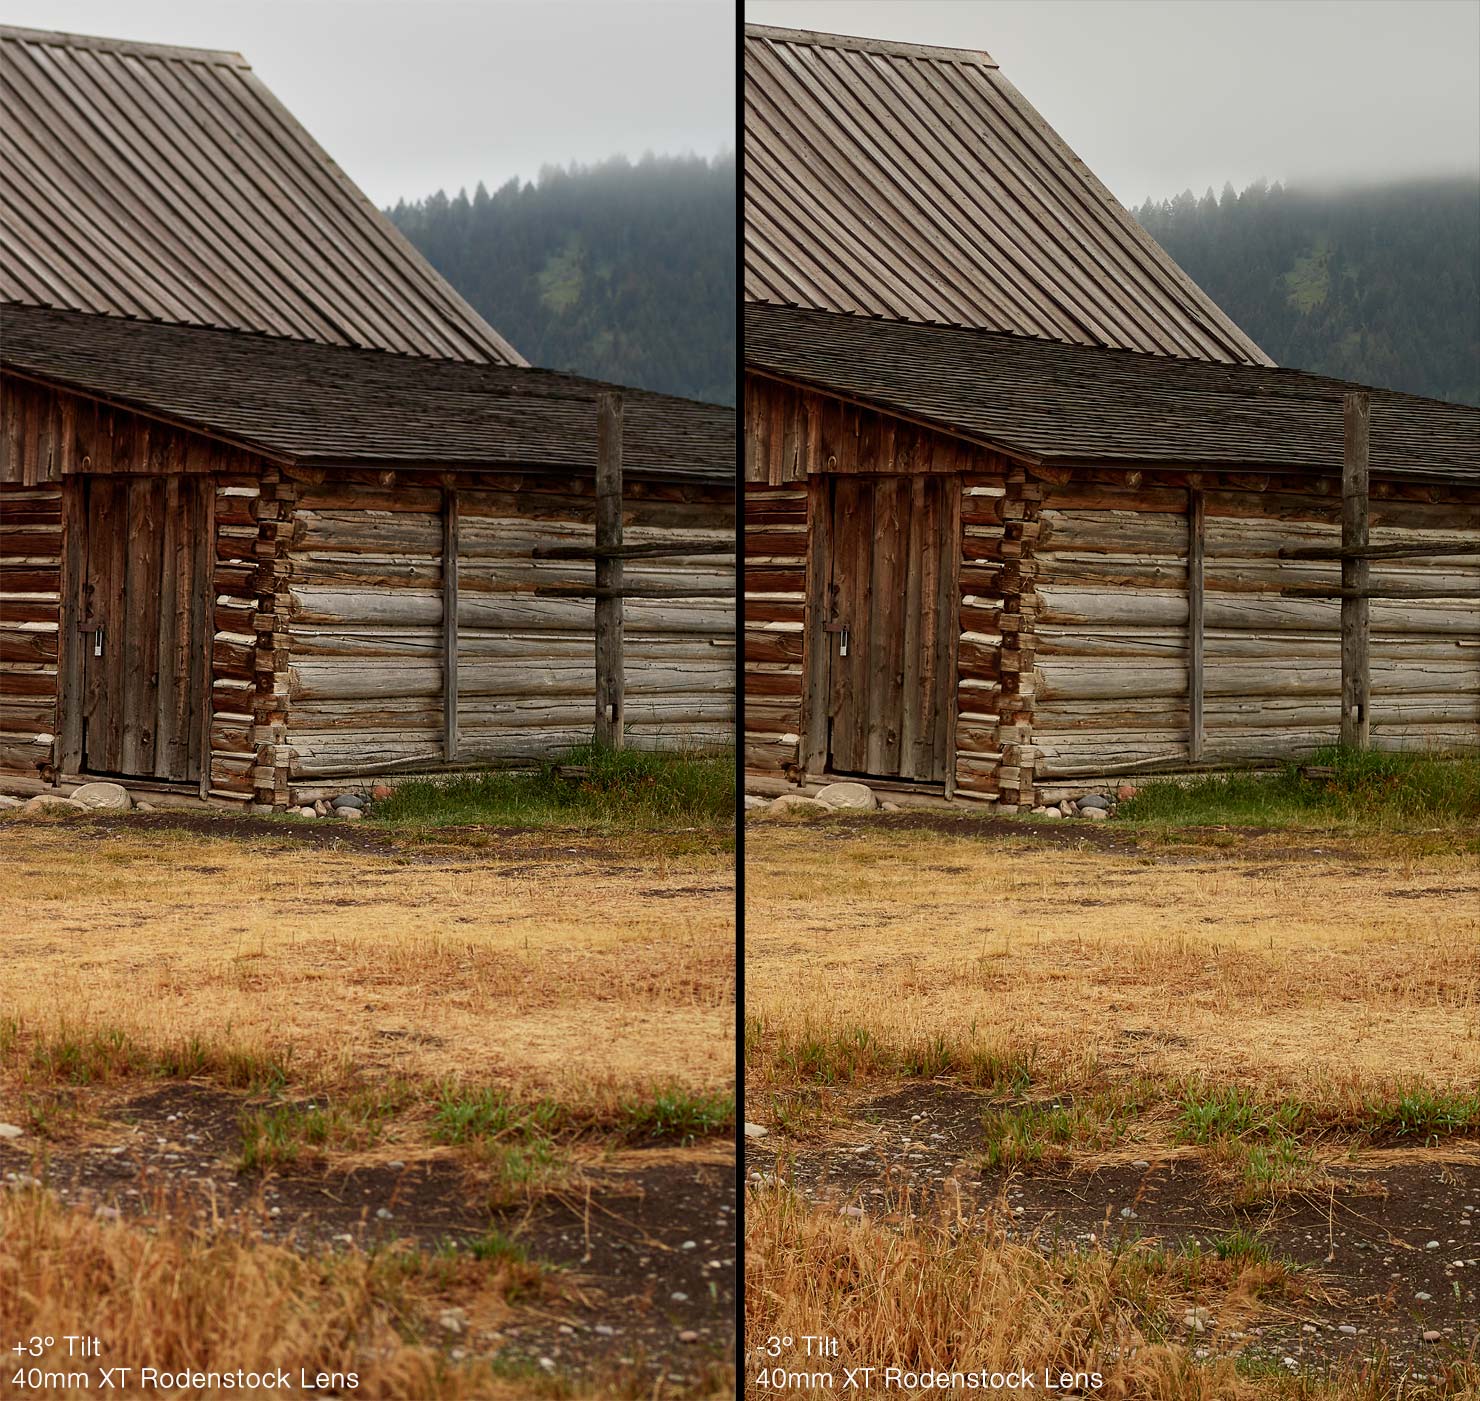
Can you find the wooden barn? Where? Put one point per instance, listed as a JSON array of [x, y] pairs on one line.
[[279, 513], [1025, 513]]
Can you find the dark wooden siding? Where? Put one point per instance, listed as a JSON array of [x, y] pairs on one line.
[[48, 433], [30, 616]]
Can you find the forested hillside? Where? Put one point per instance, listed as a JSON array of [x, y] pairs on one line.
[[620, 271], [1379, 285]]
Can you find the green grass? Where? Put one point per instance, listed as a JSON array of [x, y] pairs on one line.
[[627, 790], [279, 1135], [1366, 791], [678, 1115]]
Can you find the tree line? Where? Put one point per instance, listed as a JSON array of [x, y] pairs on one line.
[[1379, 284], [622, 271]]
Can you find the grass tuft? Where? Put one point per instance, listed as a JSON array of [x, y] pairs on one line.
[[677, 1114], [621, 790], [1364, 790]]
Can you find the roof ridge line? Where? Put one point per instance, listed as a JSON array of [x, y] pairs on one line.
[[57, 38], [895, 48]]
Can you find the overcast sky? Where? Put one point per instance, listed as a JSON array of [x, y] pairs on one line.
[[414, 95], [1157, 96]]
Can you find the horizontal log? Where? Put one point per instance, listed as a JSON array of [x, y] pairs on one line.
[[651, 551], [1377, 591], [323, 680], [1412, 550], [632, 591]]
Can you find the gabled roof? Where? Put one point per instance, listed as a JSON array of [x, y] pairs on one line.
[[1065, 404], [303, 402], [168, 184], [918, 184]]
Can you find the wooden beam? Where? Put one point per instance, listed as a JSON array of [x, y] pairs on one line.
[[812, 752], [630, 591], [1380, 591], [1195, 600], [449, 624], [660, 551], [1424, 551], [1356, 412], [610, 679], [68, 752]]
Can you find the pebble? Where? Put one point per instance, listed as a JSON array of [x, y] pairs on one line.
[[385, 1214], [1348, 1329], [754, 1130], [1422, 1297], [1095, 814], [1053, 814], [1125, 792], [1432, 1335], [395, 1165], [452, 1320], [307, 811], [1141, 1163], [348, 800], [605, 1330], [1093, 800], [689, 1245], [688, 1336], [381, 792], [679, 1297], [348, 814], [10, 1131], [1127, 1213], [1432, 1245]]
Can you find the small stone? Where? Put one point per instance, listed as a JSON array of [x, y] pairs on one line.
[[144, 807], [1125, 792], [395, 1165], [385, 1214], [755, 1130], [857, 796], [307, 812], [689, 1245], [679, 1297], [796, 805], [1128, 1213], [753, 802], [103, 797], [1052, 814], [6, 801], [106, 1213], [1094, 814], [1432, 1245], [321, 808], [380, 792], [688, 1336], [854, 1211], [1067, 808], [349, 800], [453, 1321], [1423, 1297], [53, 803], [348, 814], [1094, 800], [605, 1330], [1141, 1163], [10, 1131], [1432, 1335], [1348, 1329], [890, 807]]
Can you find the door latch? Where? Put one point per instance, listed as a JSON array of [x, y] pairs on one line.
[[842, 630], [97, 637]]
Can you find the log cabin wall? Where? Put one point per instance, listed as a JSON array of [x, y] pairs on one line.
[[366, 583], [1115, 661], [30, 617]]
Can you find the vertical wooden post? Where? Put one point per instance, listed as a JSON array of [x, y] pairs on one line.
[[1194, 623], [449, 623], [610, 687], [1355, 573]]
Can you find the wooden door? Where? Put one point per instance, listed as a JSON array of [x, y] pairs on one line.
[[142, 634], [890, 620]]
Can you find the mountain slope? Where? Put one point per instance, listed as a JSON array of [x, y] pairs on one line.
[[1379, 285], [620, 271]]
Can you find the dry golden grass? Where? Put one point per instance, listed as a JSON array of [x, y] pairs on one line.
[[938, 1294], [1324, 975], [182, 1298], [582, 975]]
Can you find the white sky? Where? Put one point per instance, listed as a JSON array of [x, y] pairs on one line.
[[412, 95], [1160, 95]]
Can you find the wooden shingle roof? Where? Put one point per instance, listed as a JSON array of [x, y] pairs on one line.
[[918, 184], [168, 184], [298, 401], [1067, 404]]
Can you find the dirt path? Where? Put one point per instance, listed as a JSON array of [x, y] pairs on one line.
[[1389, 1255], [641, 1246]]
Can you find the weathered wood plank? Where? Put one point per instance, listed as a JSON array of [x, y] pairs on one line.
[[610, 680], [449, 624], [1355, 572], [1194, 624]]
